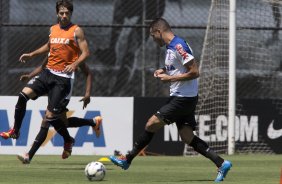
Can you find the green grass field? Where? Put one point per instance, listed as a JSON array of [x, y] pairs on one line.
[[247, 169]]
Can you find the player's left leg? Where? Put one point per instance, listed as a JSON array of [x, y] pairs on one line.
[[223, 170], [57, 94], [59, 125], [187, 135], [26, 158], [40, 138]]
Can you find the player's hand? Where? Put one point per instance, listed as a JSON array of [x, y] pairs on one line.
[[85, 100], [158, 72], [25, 57], [70, 68], [25, 78], [164, 77]]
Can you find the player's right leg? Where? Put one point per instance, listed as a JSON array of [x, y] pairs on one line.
[[33, 89], [120, 161], [20, 109], [153, 125]]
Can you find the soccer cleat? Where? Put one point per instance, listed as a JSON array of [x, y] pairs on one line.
[[24, 158], [98, 123], [68, 149], [223, 170], [120, 161], [10, 134]]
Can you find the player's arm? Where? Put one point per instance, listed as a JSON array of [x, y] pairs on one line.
[[159, 71], [35, 72], [83, 46], [192, 73], [89, 78], [43, 49]]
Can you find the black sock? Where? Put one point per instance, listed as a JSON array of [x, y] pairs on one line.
[[20, 111], [79, 122], [40, 138], [202, 147], [142, 141], [61, 128]]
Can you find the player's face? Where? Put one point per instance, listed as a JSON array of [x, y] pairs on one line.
[[157, 36], [64, 16]]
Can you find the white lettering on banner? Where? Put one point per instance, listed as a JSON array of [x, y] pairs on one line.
[[249, 130], [246, 129], [237, 128], [203, 128], [221, 122], [171, 132]]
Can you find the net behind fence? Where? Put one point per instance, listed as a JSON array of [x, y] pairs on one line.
[[116, 32], [258, 72]]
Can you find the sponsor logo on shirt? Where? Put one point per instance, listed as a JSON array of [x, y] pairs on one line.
[[169, 67], [65, 41], [181, 51]]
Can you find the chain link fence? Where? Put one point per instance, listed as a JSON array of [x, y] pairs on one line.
[[123, 56]]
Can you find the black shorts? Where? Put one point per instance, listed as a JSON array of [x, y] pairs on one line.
[[179, 110], [57, 88]]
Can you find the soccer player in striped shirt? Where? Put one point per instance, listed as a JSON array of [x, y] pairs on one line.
[[182, 72]]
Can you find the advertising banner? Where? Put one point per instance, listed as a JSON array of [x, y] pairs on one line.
[[258, 128], [263, 133], [117, 127]]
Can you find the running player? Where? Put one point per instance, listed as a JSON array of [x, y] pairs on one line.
[[182, 72], [95, 123], [67, 48]]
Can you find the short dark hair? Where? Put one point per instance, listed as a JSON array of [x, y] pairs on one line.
[[64, 3], [160, 23]]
